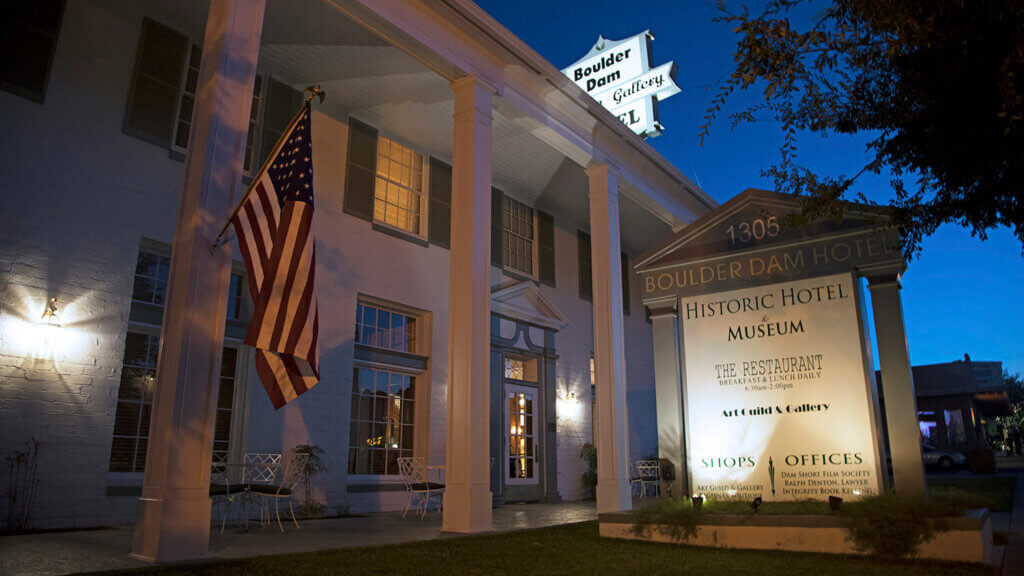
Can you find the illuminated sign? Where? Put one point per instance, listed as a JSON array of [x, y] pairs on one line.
[[777, 397], [618, 74]]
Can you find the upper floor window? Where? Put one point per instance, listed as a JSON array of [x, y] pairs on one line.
[[164, 89], [30, 32], [151, 272], [385, 328], [517, 241], [397, 192]]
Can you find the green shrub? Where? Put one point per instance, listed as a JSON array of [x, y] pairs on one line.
[[895, 526], [315, 465], [589, 456], [675, 518]]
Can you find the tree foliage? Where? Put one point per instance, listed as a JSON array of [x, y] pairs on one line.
[[935, 86]]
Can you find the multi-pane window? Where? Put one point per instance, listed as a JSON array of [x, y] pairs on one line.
[[254, 120], [398, 186], [381, 429], [385, 328], [225, 401], [235, 297], [521, 447], [134, 398], [517, 240], [521, 369], [187, 101], [29, 32], [151, 272]]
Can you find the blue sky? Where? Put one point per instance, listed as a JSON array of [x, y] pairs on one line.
[[960, 295]]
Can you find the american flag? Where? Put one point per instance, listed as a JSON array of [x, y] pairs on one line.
[[274, 226]]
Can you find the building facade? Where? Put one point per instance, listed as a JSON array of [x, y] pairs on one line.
[[102, 115]]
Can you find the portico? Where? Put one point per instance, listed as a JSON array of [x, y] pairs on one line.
[[446, 79]]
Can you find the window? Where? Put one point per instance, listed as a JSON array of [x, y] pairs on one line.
[[955, 433], [151, 272], [522, 369], [134, 398], [28, 38], [926, 422], [165, 84], [517, 241], [385, 329], [586, 270], [139, 363], [381, 429], [225, 403], [397, 191], [187, 102], [593, 400]]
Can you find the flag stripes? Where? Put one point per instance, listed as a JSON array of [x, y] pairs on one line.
[[274, 226]]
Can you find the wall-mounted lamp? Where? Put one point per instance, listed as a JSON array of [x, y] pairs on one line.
[[50, 316], [571, 396]]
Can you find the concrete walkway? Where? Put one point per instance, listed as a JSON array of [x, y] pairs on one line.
[[91, 550]]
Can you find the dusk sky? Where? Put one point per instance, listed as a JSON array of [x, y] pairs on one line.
[[960, 295]]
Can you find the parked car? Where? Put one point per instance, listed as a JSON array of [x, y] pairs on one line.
[[946, 459]]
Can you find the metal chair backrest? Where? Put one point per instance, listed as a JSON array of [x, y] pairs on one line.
[[261, 468], [413, 471], [648, 470]]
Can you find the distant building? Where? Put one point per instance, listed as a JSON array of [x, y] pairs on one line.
[[957, 401]]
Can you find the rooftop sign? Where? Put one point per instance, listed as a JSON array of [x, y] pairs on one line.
[[619, 75]]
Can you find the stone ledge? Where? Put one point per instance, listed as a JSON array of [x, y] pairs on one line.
[[969, 538]]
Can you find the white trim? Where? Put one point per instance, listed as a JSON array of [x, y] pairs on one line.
[[524, 302]]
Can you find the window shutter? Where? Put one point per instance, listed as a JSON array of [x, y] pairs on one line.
[[155, 84], [625, 283], [283, 102], [586, 274], [546, 247], [439, 213], [497, 199], [29, 32], [362, 166]]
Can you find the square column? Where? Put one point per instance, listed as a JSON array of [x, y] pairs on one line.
[[467, 496], [173, 517], [897, 387], [668, 393], [612, 435]]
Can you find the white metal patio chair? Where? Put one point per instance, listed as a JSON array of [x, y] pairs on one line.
[[418, 485], [283, 489], [225, 490], [260, 468], [648, 474]]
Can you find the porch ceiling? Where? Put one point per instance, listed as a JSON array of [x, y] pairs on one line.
[[310, 42]]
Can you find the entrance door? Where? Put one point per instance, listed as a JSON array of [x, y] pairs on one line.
[[522, 468]]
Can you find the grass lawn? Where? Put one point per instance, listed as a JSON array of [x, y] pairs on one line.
[[562, 550], [995, 491]]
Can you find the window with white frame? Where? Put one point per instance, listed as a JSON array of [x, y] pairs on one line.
[[517, 241], [139, 363], [398, 187], [382, 423], [383, 328]]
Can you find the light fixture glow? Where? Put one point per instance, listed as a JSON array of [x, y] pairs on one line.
[[50, 315]]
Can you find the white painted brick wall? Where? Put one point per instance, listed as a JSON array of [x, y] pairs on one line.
[[76, 195]]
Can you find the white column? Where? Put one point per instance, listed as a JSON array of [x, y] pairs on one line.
[[897, 387], [467, 496], [173, 517], [668, 393], [612, 435]]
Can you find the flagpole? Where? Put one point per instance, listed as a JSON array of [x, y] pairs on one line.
[[312, 91]]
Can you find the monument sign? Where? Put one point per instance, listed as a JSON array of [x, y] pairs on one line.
[[765, 380], [619, 75]]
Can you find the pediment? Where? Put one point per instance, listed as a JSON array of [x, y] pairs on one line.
[[525, 303], [749, 221]]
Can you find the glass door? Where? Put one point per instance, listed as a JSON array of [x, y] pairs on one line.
[[521, 438]]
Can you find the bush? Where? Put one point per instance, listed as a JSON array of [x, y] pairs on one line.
[[589, 456], [675, 518], [895, 526]]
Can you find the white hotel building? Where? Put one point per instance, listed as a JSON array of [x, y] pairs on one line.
[[132, 127]]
